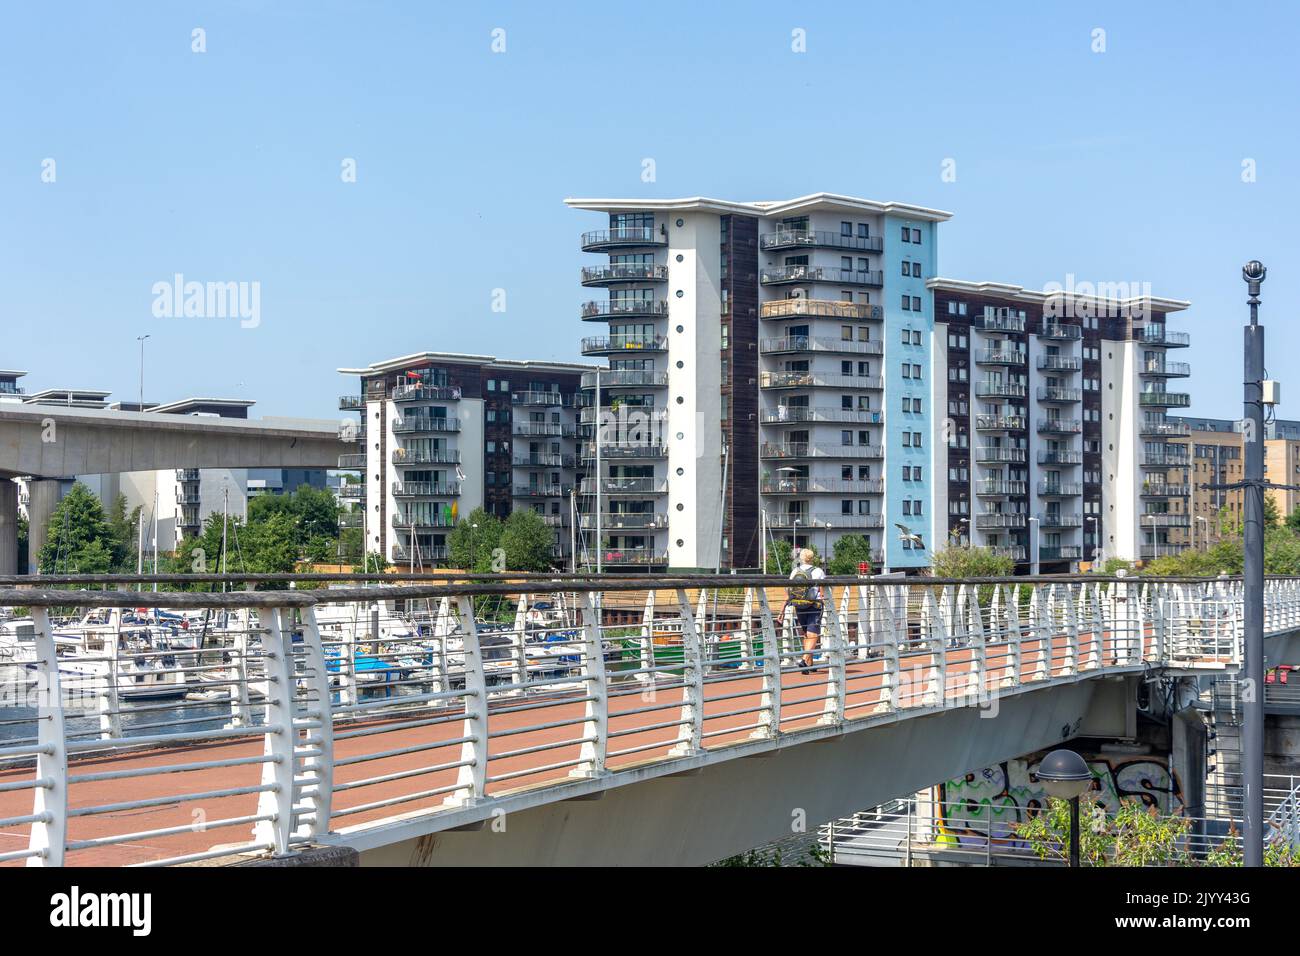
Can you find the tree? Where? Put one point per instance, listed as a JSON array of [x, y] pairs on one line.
[[780, 557], [847, 553], [470, 547], [312, 512], [80, 538], [964, 561], [529, 543]]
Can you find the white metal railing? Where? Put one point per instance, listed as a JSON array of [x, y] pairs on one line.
[[280, 716]]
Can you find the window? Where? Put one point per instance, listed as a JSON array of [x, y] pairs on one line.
[[907, 303], [916, 371], [492, 385], [907, 234], [864, 230], [864, 265], [907, 370], [916, 236], [846, 263], [846, 333], [916, 439], [907, 472], [916, 270], [916, 303], [846, 229], [907, 268], [907, 404], [846, 437], [907, 509], [907, 336], [907, 439]]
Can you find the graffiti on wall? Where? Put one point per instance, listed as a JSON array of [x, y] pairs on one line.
[[995, 800]]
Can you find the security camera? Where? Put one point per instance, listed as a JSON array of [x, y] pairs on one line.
[[1253, 271]]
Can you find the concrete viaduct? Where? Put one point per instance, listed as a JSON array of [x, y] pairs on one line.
[[47, 443]]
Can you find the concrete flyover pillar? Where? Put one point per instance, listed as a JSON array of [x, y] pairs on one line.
[[8, 526], [42, 498]]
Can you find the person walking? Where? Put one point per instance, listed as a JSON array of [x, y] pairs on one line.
[[806, 599]]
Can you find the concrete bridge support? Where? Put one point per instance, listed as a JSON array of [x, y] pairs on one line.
[[42, 499], [8, 526]]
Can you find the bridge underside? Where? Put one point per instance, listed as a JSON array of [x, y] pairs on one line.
[[692, 812]]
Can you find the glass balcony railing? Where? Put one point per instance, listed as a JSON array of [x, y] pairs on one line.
[[782, 274], [622, 309], [625, 237], [818, 239], [818, 308], [624, 272]]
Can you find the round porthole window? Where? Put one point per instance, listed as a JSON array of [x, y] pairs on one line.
[[680, 293], [681, 435], [681, 507], [680, 400], [680, 471], [681, 543], [681, 328], [681, 364], [681, 222], [680, 257]]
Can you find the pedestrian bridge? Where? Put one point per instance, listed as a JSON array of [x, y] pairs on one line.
[[547, 721]]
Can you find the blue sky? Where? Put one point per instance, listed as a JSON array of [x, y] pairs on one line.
[[225, 166]]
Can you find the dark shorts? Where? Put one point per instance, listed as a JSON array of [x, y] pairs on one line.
[[809, 618]]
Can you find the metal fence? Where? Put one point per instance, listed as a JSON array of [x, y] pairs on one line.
[[167, 727]]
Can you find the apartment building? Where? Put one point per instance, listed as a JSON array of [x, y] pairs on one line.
[[1213, 448], [768, 368], [441, 434], [1058, 446]]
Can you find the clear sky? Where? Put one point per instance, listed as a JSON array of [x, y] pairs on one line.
[[226, 166]]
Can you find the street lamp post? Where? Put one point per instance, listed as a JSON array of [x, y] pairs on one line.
[[140, 339], [473, 535], [1096, 540], [1252, 707], [1155, 544], [1065, 775]]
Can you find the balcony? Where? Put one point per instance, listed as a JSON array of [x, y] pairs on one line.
[[779, 275], [624, 522], [623, 309], [817, 239], [992, 488], [997, 520], [995, 389], [544, 461], [631, 237], [1162, 369], [1163, 489], [1014, 552], [824, 522], [626, 486], [626, 378], [1164, 430], [819, 486], [1000, 357], [1171, 456], [806, 343], [818, 380], [403, 554], [351, 403], [623, 451], [1059, 426], [352, 462], [787, 450], [545, 399], [995, 454], [819, 308], [999, 423], [626, 415], [353, 519], [1161, 399], [1002, 323], [426, 393], [1059, 489], [425, 489], [442, 456], [625, 557], [801, 414], [1059, 333], [617, 344], [421, 522], [352, 431], [1056, 395], [187, 474], [1159, 336], [1164, 519], [1059, 363], [614, 273], [1060, 456], [543, 491], [544, 430], [1053, 520], [352, 489], [414, 424], [1065, 552], [187, 497]]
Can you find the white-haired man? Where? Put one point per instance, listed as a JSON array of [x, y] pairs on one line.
[[806, 599]]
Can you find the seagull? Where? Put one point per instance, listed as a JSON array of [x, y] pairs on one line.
[[906, 535]]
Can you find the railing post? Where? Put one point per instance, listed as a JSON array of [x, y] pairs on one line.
[[110, 701], [747, 654], [690, 730], [595, 724], [932, 627], [1071, 665], [648, 675], [518, 646], [50, 797], [316, 758], [1015, 635], [979, 660], [278, 736], [894, 629], [769, 715], [862, 650], [471, 777], [1038, 621], [836, 677]]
